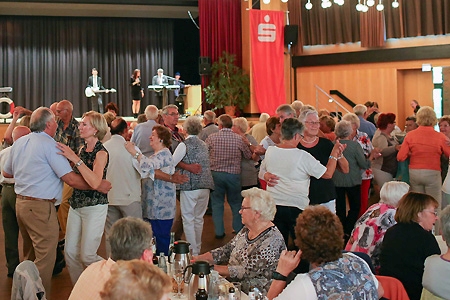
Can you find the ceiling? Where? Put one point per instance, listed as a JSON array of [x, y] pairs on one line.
[[172, 9]]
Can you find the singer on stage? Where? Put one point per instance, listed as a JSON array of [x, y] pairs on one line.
[[137, 91], [95, 83]]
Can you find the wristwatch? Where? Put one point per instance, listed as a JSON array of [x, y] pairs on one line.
[[79, 163], [136, 155], [278, 276]]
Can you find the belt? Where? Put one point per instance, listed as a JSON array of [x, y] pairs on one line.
[[7, 184], [33, 198]]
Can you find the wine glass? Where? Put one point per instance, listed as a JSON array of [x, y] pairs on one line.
[[178, 275]]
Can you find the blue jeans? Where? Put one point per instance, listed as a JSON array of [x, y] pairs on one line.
[[229, 185]]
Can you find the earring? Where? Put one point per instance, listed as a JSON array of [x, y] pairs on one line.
[[160, 141]]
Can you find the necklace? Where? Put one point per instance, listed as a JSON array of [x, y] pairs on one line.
[[307, 142]]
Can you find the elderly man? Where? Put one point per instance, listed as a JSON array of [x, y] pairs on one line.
[[365, 126], [226, 150], [259, 131], [68, 134], [143, 131], [130, 238], [160, 79], [123, 172], [10, 225], [285, 111], [39, 172], [209, 120]]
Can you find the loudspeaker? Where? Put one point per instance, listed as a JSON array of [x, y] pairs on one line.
[[291, 35], [204, 65]]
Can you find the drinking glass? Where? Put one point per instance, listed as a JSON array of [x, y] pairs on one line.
[[178, 270]]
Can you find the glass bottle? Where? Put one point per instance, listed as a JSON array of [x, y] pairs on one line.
[[231, 294], [155, 258], [171, 246], [162, 262], [201, 293]]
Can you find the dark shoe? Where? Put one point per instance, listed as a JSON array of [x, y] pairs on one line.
[[10, 275], [59, 266], [220, 237], [208, 212]]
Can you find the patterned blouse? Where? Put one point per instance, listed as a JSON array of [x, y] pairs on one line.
[[349, 277], [368, 234], [363, 140], [161, 197], [252, 261], [83, 198]]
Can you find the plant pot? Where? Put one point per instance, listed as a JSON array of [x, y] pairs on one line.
[[230, 110]]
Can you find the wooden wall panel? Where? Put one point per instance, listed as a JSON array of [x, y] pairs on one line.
[[390, 84]]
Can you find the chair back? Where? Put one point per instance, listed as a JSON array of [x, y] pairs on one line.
[[393, 288], [27, 284]]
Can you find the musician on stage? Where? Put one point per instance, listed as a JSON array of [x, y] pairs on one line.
[[95, 83], [160, 79], [137, 91]]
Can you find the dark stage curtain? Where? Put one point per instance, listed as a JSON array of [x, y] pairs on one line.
[[47, 59]]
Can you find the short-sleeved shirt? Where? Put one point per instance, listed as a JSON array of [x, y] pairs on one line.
[[36, 167]]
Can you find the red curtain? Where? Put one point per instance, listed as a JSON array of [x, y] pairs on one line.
[[267, 37], [220, 30]]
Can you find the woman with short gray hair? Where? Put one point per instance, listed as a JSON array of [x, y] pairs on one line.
[[349, 184], [194, 193]]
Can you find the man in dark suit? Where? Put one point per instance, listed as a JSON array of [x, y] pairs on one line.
[[95, 83], [160, 79]]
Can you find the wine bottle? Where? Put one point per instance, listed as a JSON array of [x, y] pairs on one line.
[[201, 293], [155, 258], [171, 246], [162, 262], [251, 293], [231, 293]]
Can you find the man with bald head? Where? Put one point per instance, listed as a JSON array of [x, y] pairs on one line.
[[10, 226], [68, 134], [39, 172], [143, 131]]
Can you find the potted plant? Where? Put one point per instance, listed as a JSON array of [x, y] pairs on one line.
[[229, 85]]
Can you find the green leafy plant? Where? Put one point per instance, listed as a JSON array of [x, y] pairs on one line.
[[229, 85]]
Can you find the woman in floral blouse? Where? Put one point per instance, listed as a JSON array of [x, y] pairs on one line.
[[252, 255], [159, 207]]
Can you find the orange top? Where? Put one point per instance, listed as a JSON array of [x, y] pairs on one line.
[[424, 147]]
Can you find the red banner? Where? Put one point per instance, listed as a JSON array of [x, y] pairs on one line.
[[267, 38]]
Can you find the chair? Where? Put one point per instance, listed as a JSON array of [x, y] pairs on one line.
[[27, 284], [393, 288], [427, 295]]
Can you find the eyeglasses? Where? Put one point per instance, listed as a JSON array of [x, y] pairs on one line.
[[312, 123], [245, 207], [432, 211]]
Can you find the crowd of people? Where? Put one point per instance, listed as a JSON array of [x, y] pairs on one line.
[[288, 180]]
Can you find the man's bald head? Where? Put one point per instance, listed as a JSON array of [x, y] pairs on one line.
[[119, 126], [19, 132]]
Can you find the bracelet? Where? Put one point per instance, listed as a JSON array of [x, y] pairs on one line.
[[170, 177], [340, 156], [278, 276], [79, 163], [333, 157], [136, 155]]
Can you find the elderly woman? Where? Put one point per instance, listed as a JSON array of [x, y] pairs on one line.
[[385, 167], [287, 171], [408, 243], [369, 231], [194, 194], [252, 255], [321, 191], [88, 208], [366, 174], [333, 275], [136, 279], [424, 147], [249, 174], [435, 278], [349, 185], [159, 207]]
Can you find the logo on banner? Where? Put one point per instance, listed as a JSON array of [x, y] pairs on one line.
[[267, 32]]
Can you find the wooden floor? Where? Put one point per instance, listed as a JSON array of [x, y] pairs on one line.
[[61, 285]]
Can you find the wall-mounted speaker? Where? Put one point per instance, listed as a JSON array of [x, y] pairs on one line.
[[291, 35], [204, 65]]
